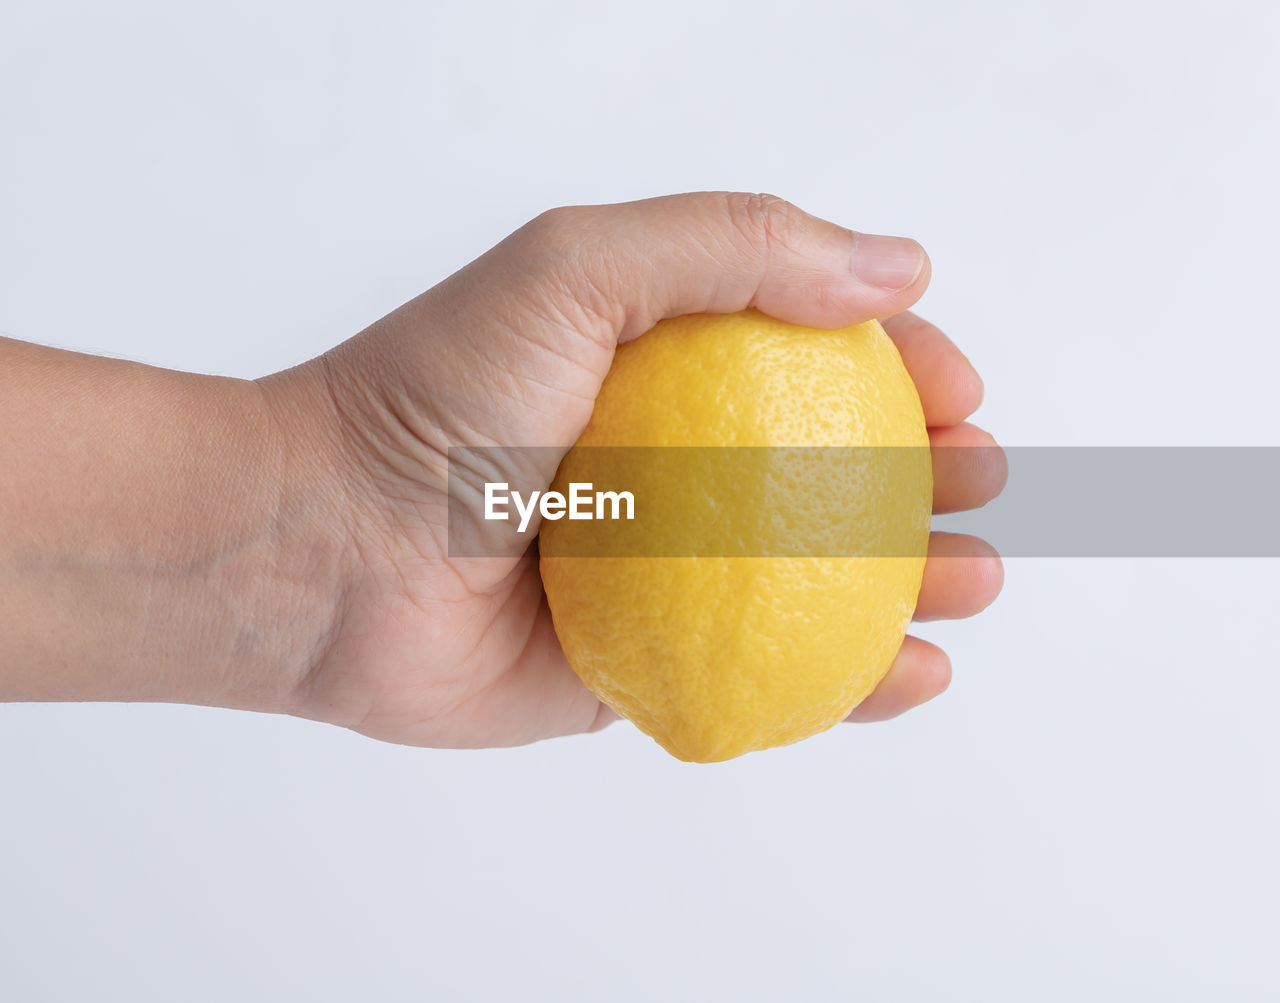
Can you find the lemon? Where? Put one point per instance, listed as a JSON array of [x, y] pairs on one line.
[[756, 640]]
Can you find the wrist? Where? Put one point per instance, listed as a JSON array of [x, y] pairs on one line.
[[307, 562], [244, 565]]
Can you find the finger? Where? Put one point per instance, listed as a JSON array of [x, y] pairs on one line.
[[962, 576], [950, 388], [919, 673], [634, 263], [969, 469]]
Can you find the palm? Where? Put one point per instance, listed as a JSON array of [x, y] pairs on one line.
[[430, 658]]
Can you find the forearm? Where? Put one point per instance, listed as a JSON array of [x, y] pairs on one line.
[[158, 538]]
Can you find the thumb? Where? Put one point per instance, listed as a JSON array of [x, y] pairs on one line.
[[548, 305], [634, 263]]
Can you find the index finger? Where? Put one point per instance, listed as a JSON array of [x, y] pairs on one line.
[[950, 388]]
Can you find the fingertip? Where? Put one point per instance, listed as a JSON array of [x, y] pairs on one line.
[[985, 573], [937, 676], [995, 465], [979, 385], [931, 668], [962, 576], [950, 387], [820, 274], [988, 574], [969, 467], [970, 390], [921, 283], [920, 672]]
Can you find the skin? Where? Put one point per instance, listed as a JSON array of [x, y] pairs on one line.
[[280, 545]]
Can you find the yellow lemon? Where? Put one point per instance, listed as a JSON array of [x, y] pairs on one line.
[[772, 565]]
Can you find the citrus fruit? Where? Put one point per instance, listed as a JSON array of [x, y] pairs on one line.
[[777, 569]]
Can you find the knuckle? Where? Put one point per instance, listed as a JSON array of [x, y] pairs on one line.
[[557, 229], [764, 220], [567, 273]]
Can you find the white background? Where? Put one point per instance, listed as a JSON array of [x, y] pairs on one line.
[[1089, 813]]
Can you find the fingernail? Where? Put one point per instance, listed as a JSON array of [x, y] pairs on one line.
[[888, 262]]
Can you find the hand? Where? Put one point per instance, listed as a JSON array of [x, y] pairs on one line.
[[511, 350]]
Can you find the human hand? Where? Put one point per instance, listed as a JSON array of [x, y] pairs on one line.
[[511, 350]]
